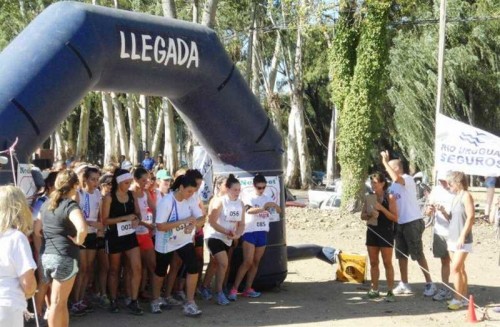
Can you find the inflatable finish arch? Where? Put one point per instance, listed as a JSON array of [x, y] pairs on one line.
[[72, 48]]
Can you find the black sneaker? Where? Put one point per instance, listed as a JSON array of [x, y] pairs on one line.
[[134, 308], [113, 306]]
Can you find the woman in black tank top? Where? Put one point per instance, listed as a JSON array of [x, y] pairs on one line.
[[380, 234], [120, 215]]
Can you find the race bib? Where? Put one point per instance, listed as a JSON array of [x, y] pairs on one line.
[[125, 228], [178, 237], [233, 215]]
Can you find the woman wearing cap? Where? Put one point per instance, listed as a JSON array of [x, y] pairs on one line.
[[64, 230], [17, 267], [258, 208], [226, 223], [120, 215], [163, 183], [176, 219]]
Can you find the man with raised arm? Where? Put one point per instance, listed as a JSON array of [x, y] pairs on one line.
[[410, 225]]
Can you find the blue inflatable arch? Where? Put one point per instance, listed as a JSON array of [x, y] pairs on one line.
[[73, 48]]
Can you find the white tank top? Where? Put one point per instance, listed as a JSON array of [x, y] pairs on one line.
[[90, 203], [230, 215], [145, 216]]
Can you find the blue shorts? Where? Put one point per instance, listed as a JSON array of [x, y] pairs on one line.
[[258, 239]]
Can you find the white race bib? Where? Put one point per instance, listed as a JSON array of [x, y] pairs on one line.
[[125, 228]]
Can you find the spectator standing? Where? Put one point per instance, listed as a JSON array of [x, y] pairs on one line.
[[148, 163]]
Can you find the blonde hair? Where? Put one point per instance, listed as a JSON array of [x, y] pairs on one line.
[[14, 210], [459, 178], [65, 182]]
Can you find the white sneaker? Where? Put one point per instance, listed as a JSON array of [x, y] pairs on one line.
[[191, 309], [155, 306], [402, 288], [430, 289], [442, 295], [171, 301]]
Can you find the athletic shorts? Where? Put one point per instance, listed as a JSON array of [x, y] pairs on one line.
[[58, 267], [439, 246], [115, 244], [258, 239], [100, 243], [145, 242], [162, 262], [452, 247], [90, 242], [379, 240], [215, 246], [409, 239]]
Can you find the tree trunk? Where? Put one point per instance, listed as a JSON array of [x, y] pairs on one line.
[[143, 116], [292, 165], [155, 147], [168, 7], [82, 143], [59, 153], [331, 166], [170, 150], [272, 97], [209, 11], [70, 142], [255, 61], [120, 124], [196, 10], [109, 129], [133, 147]]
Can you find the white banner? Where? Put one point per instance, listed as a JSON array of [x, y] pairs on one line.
[[203, 163], [461, 147], [272, 190]]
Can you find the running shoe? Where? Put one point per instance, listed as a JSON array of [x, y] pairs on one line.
[[113, 306], [442, 295], [402, 288], [430, 289], [222, 299], [76, 310], [156, 306], [134, 308], [233, 295], [191, 309], [205, 293], [170, 300], [390, 297], [456, 304], [87, 306], [181, 296], [372, 294], [103, 301], [250, 292], [163, 304]]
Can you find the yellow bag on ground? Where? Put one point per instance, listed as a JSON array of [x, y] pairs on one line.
[[351, 268]]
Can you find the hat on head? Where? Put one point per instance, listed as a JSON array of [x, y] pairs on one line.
[[163, 175], [442, 175]]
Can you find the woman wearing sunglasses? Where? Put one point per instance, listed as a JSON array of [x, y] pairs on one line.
[[258, 207]]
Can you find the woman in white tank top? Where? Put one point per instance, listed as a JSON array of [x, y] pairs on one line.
[[226, 223]]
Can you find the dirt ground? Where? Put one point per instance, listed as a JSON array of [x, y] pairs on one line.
[[311, 297]]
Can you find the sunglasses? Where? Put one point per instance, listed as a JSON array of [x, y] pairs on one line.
[[260, 188]]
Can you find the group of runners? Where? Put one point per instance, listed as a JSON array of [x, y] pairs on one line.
[[111, 237], [394, 222]]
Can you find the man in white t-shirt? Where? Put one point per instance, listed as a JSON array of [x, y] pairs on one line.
[[408, 239], [440, 200]]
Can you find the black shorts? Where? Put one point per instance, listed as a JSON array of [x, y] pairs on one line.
[[115, 244], [187, 255], [90, 242], [100, 243], [215, 246], [373, 239]]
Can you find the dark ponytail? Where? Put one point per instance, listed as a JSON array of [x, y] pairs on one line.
[[231, 180], [183, 180], [194, 173]]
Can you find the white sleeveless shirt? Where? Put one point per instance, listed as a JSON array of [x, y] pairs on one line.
[[230, 215], [90, 203]]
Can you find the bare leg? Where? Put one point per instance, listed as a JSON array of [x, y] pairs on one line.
[[373, 254], [389, 269], [246, 265], [58, 313], [252, 272]]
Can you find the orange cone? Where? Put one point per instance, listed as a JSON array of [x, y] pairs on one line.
[[471, 312]]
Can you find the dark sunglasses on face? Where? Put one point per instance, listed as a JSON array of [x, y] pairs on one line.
[[260, 187]]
